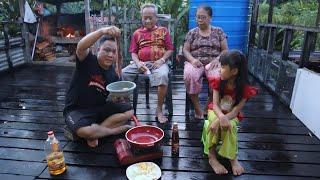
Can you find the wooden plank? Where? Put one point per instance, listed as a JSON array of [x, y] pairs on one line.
[[25, 134], [24, 143], [15, 177], [21, 167], [78, 172]]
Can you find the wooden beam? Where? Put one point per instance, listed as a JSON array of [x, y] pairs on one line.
[[298, 28], [288, 34], [25, 33], [253, 23], [87, 15]]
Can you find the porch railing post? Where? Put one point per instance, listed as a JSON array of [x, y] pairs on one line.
[[7, 45], [87, 15], [253, 23], [306, 48], [288, 34], [25, 34]]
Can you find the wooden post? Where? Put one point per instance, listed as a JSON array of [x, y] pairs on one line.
[[253, 23], [288, 34], [25, 34], [305, 55], [261, 34], [87, 15], [125, 32], [271, 40], [7, 45], [270, 15], [313, 45], [109, 13]]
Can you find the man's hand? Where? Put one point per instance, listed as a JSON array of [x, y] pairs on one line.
[[116, 99], [158, 63], [224, 123], [141, 67], [196, 63], [111, 31]]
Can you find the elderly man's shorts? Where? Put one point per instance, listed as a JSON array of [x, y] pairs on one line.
[[157, 77], [78, 118]]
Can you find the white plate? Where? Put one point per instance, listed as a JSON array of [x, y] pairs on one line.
[[143, 171]]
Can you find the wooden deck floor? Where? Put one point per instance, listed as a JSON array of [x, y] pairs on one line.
[[272, 142]]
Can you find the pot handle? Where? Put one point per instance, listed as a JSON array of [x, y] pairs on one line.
[[136, 121]]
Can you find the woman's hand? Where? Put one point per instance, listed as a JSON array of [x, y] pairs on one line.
[[224, 123], [196, 63], [213, 64]]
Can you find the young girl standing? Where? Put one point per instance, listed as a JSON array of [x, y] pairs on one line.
[[230, 92]]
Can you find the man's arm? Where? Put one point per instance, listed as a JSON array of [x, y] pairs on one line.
[[86, 42]]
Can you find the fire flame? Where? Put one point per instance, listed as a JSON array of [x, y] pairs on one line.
[[70, 35]]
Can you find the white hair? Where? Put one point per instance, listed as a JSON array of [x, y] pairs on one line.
[[150, 5]]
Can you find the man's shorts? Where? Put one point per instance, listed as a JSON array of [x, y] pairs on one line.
[[78, 118]]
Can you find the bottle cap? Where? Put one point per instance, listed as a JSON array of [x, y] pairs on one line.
[[175, 125], [50, 133]]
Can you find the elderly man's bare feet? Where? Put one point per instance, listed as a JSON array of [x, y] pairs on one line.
[[237, 169], [215, 164], [160, 117], [92, 142]]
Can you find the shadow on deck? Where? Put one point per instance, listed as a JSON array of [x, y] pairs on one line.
[[272, 142]]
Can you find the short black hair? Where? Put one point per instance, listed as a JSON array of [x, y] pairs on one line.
[[106, 38], [207, 8]]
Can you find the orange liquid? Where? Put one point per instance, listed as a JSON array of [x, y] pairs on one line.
[[56, 164]]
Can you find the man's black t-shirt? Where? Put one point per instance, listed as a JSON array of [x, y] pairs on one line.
[[88, 85]]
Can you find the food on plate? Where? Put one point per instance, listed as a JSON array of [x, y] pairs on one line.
[[143, 171]]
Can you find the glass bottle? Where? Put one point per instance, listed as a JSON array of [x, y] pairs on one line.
[[175, 140]]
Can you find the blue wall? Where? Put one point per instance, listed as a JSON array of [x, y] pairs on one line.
[[231, 15]]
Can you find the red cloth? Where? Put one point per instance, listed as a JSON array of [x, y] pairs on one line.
[[150, 45], [249, 91]]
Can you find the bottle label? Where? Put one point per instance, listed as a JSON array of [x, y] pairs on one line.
[[175, 148], [55, 147], [55, 161]]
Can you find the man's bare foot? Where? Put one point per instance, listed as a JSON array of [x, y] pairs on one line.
[[215, 164], [160, 117], [92, 142], [237, 169]]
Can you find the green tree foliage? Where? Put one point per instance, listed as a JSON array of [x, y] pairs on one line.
[[291, 12]]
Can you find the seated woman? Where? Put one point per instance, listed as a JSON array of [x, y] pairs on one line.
[[202, 46]]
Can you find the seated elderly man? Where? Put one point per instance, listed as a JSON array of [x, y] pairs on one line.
[[150, 48]]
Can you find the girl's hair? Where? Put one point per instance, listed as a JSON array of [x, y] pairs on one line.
[[235, 59], [207, 8]]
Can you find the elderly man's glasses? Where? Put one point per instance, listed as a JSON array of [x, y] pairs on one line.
[[201, 17]]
